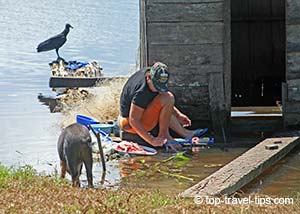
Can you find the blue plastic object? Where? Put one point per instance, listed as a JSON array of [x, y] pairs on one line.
[[107, 128], [85, 120], [189, 141], [73, 65], [200, 132], [204, 141], [104, 136]]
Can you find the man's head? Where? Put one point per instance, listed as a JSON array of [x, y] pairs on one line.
[[159, 75]]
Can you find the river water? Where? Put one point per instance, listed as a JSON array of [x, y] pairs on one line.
[[104, 31]]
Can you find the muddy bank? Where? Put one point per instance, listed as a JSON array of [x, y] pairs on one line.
[[24, 192]]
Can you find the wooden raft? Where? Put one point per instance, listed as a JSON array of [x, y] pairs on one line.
[[71, 82], [244, 168]]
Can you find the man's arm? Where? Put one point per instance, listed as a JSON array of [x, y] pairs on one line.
[[135, 117], [182, 118]]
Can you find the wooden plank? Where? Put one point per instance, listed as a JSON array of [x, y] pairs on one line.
[[185, 80], [182, 1], [293, 68], [272, 146], [292, 107], [284, 102], [292, 37], [278, 8], [292, 11], [258, 109], [260, 43], [208, 54], [185, 33], [239, 8], [256, 124], [143, 35], [243, 169], [182, 12], [240, 48], [181, 75], [293, 90], [260, 8], [197, 95], [278, 65], [200, 113], [253, 10], [293, 21], [227, 55], [71, 82], [292, 119], [216, 91], [219, 115]]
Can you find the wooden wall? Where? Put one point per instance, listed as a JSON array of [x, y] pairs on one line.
[[193, 38], [292, 89]]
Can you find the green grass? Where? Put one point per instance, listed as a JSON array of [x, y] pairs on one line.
[[24, 191], [25, 173], [4, 176]]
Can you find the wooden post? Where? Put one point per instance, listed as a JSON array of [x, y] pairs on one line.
[[143, 35], [217, 107], [100, 148], [292, 104], [227, 54], [283, 102]]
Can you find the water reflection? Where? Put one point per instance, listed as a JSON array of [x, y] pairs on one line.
[[280, 179], [104, 31], [170, 176], [51, 102]]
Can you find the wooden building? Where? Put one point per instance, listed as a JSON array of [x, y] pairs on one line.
[[224, 53]]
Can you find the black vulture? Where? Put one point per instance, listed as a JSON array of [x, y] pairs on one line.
[[55, 42]]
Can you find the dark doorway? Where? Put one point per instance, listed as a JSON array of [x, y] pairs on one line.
[[258, 51]]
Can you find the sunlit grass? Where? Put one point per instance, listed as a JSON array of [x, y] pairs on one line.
[[24, 173]]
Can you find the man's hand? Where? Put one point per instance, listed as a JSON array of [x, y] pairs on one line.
[[184, 120]]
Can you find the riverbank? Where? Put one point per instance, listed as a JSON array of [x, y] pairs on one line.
[[24, 191]]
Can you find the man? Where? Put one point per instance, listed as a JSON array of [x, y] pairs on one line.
[[146, 101]]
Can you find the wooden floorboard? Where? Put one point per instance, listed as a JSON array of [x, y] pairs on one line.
[[244, 168]]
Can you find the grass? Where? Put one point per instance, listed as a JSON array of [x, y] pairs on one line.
[[24, 191]]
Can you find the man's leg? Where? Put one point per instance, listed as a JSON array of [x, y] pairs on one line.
[[179, 129], [149, 119], [166, 118], [160, 111], [167, 102]]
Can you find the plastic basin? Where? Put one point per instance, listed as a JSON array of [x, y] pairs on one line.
[[107, 128], [85, 120]]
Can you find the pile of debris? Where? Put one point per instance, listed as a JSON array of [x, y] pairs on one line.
[[72, 97], [69, 97], [61, 68]]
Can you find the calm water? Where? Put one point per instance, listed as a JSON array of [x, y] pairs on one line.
[[105, 31]]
